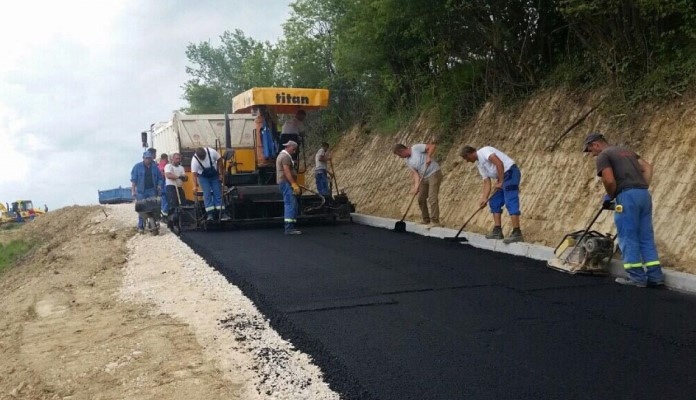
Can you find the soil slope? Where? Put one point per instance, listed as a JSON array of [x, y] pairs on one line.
[[559, 190]]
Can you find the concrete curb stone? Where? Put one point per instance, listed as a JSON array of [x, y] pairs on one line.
[[673, 279]]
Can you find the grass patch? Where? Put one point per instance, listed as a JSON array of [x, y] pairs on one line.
[[10, 252], [9, 226]]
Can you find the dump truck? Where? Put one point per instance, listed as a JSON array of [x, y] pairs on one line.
[[115, 196], [184, 133]]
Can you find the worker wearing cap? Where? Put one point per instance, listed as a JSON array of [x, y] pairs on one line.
[[286, 177], [626, 177], [146, 182], [494, 164], [427, 177]]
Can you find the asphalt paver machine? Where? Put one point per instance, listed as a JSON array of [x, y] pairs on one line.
[[248, 174]]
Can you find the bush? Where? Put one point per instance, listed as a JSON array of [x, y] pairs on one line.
[[12, 251]]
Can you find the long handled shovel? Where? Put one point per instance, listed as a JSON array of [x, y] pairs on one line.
[[459, 239], [400, 226], [333, 175]]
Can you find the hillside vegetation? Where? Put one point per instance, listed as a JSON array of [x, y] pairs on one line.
[[387, 60]]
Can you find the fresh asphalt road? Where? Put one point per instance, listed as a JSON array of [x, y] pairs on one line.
[[397, 316]]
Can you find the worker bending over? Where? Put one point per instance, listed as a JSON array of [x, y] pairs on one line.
[[494, 164], [626, 177], [427, 178], [205, 173]]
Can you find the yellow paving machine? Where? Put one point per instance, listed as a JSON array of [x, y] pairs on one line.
[[249, 140]]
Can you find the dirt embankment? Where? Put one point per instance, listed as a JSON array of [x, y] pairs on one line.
[[96, 311], [559, 191]]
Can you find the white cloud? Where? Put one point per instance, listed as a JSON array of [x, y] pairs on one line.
[[80, 79]]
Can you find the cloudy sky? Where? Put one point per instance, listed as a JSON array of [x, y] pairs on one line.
[[80, 79]]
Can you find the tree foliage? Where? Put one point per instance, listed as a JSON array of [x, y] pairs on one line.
[[384, 57], [219, 73]]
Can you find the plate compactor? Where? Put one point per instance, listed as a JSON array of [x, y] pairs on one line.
[[584, 252]]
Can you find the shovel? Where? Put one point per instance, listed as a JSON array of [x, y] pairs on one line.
[[400, 226], [456, 238]]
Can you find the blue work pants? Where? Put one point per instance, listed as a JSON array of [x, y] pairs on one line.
[[510, 195], [290, 205], [212, 193], [636, 237], [322, 179], [165, 205]]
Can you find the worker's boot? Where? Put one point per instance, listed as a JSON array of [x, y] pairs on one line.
[[496, 233], [515, 236], [225, 216], [630, 282]]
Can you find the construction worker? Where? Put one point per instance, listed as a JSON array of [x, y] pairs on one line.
[[493, 163], [321, 175], [286, 178], [164, 160], [205, 173], [293, 129], [427, 178], [626, 177], [294, 126], [145, 182], [175, 176]]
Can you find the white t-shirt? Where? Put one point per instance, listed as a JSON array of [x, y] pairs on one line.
[[293, 125], [417, 161], [318, 164], [486, 168], [178, 171], [208, 162]]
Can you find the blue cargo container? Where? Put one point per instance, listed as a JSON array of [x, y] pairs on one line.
[[115, 196]]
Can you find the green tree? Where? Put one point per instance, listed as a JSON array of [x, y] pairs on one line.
[[219, 73]]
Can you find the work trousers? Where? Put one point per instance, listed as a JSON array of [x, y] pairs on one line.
[[212, 193], [290, 206], [428, 197], [165, 206], [636, 236], [322, 179], [510, 195]]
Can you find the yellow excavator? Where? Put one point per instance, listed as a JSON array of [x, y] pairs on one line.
[[19, 211]]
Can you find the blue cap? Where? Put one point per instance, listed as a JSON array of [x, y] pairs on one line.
[[591, 138], [147, 154]]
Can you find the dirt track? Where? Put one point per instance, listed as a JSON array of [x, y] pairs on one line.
[[96, 311]]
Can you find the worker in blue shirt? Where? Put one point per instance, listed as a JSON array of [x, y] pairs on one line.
[[146, 182]]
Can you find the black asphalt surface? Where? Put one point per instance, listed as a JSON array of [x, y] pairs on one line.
[[397, 316]]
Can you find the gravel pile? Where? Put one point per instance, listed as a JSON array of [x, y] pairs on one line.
[[164, 272]]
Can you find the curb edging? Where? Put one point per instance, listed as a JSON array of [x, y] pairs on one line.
[[673, 279]]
